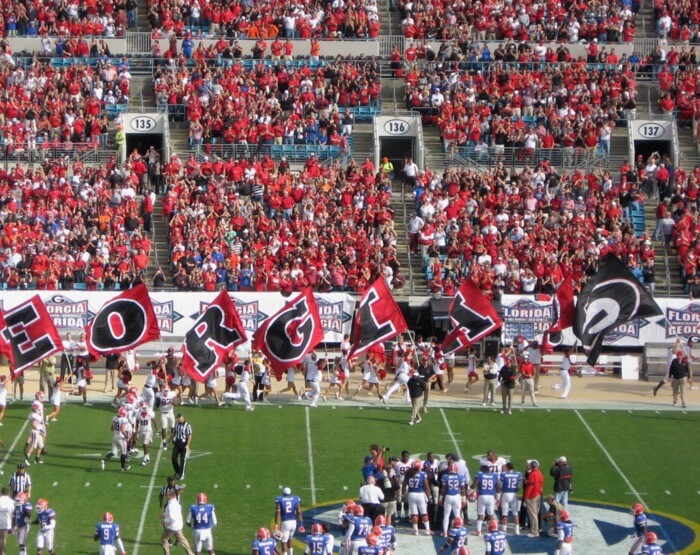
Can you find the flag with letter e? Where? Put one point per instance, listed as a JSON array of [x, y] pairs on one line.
[[292, 332], [472, 316], [217, 331], [123, 323], [378, 319], [613, 296], [29, 334]]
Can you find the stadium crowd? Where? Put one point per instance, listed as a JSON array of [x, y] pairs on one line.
[[677, 20]]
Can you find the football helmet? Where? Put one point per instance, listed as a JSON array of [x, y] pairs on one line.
[[417, 465], [202, 499], [108, 517], [638, 508], [372, 539], [349, 506], [457, 522], [472, 495], [21, 498], [358, 510], [42, 504], [39, 396], [131, 398], [380, 520], [37, 406], [453, 468], [121, 412], [165, 389], [316, 528], [493, 525], [263, 534], [651, 537], [133, 390], [564, 515]]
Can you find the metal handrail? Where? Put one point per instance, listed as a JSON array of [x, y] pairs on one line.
[[668, 271], [407, 237]]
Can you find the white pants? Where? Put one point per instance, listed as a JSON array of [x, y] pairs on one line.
[[452, 507], [243, 394], [203, 539], [509, 504], [485, 505], [315, 392], [565, 384], [149, 396], [417, 503], [44, 540], [287, 529], [401, 379], [566, 549], [167, 420]]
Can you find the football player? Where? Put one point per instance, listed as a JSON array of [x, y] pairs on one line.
[[38, 431], [510, 481], [46, 519], [371, 547], [121, 432], [243, 392], [565, 534], [485, 483], [402, 466], [264, 544], [403, 372], [202, 518], [453, 495], [456, 538], [145, 428], [494, 462], [107, 533], [150, 387], [386, 533], [640, 527], [20, 520], [318, 542], [358, 528], [287, 516], [346, 515], [496, 540], [651, 547], [416, 489], [166, 402]]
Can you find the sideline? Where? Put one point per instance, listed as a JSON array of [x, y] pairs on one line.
[[634, 491], [312, 479], [144, 511]]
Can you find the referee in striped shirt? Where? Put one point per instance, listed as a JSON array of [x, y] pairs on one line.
[[20, 482], [180, 438]]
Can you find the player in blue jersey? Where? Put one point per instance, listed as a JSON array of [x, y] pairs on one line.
[[565, 534], [386, 533], [21, 517], [264, 544], [318, 542], [485, 483], [371, 546], [46, 519], [416, 489], [202, 519], [358, 528], [287, 515], [456, 538], [640, 527], [496, 540], [453, 495], [651, 547], [510, 481], [107, 533]]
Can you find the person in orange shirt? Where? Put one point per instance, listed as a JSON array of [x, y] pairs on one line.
[[315, 50], [527, 375]]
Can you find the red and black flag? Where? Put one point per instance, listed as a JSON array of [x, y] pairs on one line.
[[217, 331], [378, 319], [563, 307], [473, 318], [612, 297], [291, 333], [28, 334], [123, 323]]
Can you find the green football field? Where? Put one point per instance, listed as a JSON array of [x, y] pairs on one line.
[[241, 460]]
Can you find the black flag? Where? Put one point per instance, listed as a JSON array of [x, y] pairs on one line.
[[612, 297]]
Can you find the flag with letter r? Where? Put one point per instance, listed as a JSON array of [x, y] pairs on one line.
[[217, 331], [612, 297], [378, 319]]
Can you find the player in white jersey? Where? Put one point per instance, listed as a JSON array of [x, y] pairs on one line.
[[402, 466], [37, 435], [243, 392], [121, 433], [315, 377], [145, 429], [493, 461], [403, 372], [166, 403], [150, 387]]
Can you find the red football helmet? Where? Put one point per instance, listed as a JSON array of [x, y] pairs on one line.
[[651, 537], [472, 495], [133, 390], [372, 539], [638, 508], [417, 465], [37, 406], [39, 396], [380, 520], [376, 530], [263, 534], [42, 504], [349, 506], [131, 398], [202, 499], [316, 528], [21, 497], [457, 522], [358, 510], [108, 517], [493, 525], [564, 515], [121, 412], [454, 468]]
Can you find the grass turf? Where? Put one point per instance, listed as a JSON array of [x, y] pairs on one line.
[[241, 459]]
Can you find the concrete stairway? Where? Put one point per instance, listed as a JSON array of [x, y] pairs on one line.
[[160, 256], [644, 21], [689, 156], [403, 207], [363, 141], [665, 284], [142, 16]]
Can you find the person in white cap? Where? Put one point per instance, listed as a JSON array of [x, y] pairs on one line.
[[562, 473], [287, 516], [527, 379]]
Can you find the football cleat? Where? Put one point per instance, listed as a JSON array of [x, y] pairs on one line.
[[263, 534], [202, 499], [108, 517], [651, 537]]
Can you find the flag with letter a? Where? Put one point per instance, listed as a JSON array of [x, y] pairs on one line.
[[472, 316], [378, 319], [123, 323], [217, 331], [613, 296], [29, 334]]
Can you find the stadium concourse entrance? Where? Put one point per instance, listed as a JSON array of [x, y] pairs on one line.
[[143, 141], [646, 148], [396, 149]]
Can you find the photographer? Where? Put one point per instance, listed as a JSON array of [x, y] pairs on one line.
[[390, 487], [562, 473], [377, 454]]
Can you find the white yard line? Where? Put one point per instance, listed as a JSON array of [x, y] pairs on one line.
[[21, 432], [144, 511], [452, 435], [634, 491], [312, 478]]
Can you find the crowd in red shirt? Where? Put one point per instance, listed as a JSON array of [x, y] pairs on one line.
[[64, 226], [680, 90], [677, 20]]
